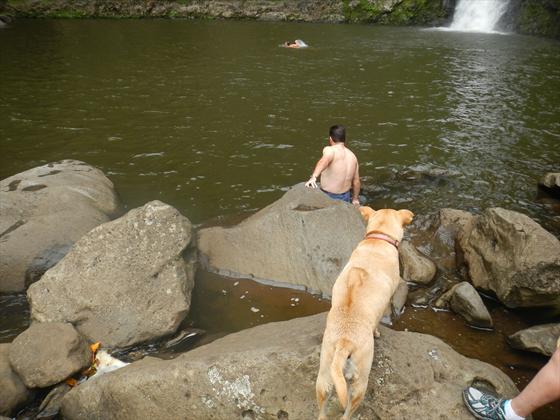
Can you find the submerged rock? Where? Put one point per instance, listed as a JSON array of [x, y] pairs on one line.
[[513, 256], [43, 211], [47, 353], [126, 281], [539, 339], [270, 371], [305, 238], [14, 394], [551, 184]]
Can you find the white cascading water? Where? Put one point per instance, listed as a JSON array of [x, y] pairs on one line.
[[478, 15]]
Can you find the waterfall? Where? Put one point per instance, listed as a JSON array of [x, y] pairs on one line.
[[478, 15]]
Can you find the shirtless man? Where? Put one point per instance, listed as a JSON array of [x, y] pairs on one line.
[[338, 168]]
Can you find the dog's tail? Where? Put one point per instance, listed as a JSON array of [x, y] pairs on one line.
[[343, 350]]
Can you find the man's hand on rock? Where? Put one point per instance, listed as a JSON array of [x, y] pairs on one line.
[[312, 183], [356, 201]]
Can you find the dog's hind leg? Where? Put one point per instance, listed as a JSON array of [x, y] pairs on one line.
[[362, 359], [323, 391], [324, 383], [323, 388]]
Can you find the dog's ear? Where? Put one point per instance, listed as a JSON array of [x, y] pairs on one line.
[[406, 216], [366, 212]]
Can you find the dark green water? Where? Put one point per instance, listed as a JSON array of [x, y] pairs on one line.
[[217, 120]]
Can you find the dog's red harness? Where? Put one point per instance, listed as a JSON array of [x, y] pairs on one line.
[[374, 234]]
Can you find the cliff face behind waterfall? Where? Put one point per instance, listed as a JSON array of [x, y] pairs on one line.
[[400, 12], [537, 17]]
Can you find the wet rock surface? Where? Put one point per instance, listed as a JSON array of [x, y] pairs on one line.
[[435, 235], [513, 256], [415, 266], [50, 406], [539, 339], [270, 371], [47, 353], [550, 183], [43, 211], [14, 393], [305, 238], [464, 300], [126, 281]]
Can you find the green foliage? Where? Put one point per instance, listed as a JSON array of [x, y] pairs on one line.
[[540, 18], [417, 12], [404, 12], [362, 11], [69, 14]]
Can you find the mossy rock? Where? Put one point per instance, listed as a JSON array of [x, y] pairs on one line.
[[540, 18], [404, 12]]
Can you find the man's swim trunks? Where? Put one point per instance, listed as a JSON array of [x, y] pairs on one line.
[[345, 196]]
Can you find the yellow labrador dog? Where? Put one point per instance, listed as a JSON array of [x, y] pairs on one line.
[[360, 295]]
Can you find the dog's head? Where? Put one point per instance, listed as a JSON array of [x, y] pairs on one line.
[[389, 221]]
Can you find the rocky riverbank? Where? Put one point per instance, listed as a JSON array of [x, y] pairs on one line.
[[129, 281], [536, 17]]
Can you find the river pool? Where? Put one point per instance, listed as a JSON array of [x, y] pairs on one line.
[[217, 120]]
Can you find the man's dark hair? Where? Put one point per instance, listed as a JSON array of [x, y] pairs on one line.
[[338, 133]]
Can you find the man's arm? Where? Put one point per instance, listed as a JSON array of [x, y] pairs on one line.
[[321, 165], [356, 185]]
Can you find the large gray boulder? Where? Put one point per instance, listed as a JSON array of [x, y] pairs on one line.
[[13, 392], [47, 353], [539, 339], [513, 256], [43, 211], [415, 266], [269, 372], [126, 281], [305, 238]]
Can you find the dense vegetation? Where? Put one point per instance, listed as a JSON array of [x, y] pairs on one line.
[[539, 17]]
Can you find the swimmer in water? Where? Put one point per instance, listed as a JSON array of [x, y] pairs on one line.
[[298, 43]]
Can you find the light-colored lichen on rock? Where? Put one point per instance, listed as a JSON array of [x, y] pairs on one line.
[[238, 391]]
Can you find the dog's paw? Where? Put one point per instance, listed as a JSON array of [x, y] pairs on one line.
[[377, 334]]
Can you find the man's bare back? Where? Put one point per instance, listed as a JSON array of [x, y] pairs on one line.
[[338, 168], [337, 177]]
